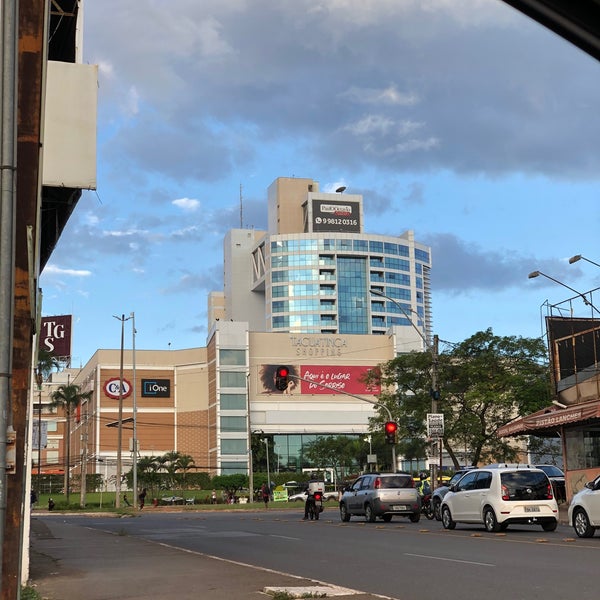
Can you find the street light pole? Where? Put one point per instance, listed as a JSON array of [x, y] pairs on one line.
[[577, 257], [268, 472], [434, 392], [135, 441], [120, 421], [587, 302]]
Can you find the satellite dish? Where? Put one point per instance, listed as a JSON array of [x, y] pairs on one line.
[[340, 189]]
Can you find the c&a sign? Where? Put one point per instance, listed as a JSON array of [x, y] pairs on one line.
[[112, 388]]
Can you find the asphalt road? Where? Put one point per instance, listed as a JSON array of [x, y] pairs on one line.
[[398, 559]]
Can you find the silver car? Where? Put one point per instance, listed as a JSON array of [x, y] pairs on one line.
[[381, 495]]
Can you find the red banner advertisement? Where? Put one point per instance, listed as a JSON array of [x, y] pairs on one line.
[[350, 379], [55, 335]]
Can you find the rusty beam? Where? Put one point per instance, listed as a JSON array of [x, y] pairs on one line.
[[31, 56]]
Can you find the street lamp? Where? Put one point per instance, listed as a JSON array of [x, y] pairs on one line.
[[120, 422], [135, 440], [433, 349], [578, 257], [587, 302]]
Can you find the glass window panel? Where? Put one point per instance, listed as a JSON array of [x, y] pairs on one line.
[[232, 357], [233, 423], [376, 247], [233, 401], [231, 468], [232, 380], [234, 446]]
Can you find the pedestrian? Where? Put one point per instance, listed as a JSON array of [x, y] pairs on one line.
[[34, 498], [213, 497], [142, 498], [265, 494], [50, 504], [126, 500]]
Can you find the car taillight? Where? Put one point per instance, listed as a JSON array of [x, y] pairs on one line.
[[550, 494], [377, 484], [411, 483], [317, 496], [505, 494]]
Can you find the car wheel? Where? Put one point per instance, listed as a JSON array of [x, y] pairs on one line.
[[550, 525], [436, 505], [447, 521], [581, 524], [387, 518], [369, 514], [344, 514], [415, 517], [490, 521]]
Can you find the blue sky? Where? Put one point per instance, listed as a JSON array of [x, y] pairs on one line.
[[462, 120]]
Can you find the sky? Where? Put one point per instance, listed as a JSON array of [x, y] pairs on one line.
[[462, 120]]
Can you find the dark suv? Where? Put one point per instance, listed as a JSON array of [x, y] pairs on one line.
[[382, 495]]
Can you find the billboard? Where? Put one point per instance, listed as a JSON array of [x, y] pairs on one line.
[[334, 215], [320, 379], [55, 335], [156, 388]]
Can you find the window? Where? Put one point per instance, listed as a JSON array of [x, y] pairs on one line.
[[484, 480], [233, 402], [230, 468], [234, 447], [421, 255], [467, 482], [52, 457], [232, 380], [232, 357], [233, 424]]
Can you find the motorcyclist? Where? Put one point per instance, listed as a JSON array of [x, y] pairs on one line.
[[310, 498], [423, 486]]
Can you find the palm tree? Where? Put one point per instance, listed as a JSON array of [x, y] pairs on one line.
[[69, 397], [184, 463]]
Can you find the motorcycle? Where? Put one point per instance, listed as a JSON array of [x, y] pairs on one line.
[[315, 505], [426, 507]]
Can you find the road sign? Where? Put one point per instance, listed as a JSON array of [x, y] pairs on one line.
[[435, 425]]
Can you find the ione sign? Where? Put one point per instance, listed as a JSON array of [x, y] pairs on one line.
[[112, 388], [156, 388]]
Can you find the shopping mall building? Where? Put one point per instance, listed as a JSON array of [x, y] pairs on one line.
[[314, 293]]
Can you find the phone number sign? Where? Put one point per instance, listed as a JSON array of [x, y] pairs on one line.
[[435, 425]]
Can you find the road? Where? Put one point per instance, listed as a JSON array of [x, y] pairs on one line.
[[398, 559]]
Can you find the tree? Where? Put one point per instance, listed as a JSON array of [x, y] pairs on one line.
[[484, 382], [230, 483], [46, 363], [69, 397], [340, 453]]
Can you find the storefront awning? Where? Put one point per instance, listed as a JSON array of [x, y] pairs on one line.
[[547, 421]]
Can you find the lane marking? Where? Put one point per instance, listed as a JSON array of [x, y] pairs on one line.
[[466, 562]]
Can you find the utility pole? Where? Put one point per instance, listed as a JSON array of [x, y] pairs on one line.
[[120, 421], [435, 395], [84, 458], [135, 441]]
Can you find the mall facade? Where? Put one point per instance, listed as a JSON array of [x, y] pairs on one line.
[[314, 293]]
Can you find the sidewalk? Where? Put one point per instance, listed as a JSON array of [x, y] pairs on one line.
[[69, 562]]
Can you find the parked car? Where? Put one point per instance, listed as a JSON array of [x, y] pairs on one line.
[[584, 510], [498, 496], [381, 495], [557, 479], [442, 490]]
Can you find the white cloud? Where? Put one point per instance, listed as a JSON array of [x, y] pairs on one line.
[[56, 270], [187, 204]]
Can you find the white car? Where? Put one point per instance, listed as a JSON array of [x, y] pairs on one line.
[[301, 497], [500, 495], [584, 510]]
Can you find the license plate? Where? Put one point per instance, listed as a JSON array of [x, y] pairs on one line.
[[400, 507], [532, 509]]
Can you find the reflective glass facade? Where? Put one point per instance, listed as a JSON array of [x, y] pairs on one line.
[[321, 284]]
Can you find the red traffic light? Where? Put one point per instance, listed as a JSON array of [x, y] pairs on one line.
[[281, 378], [391, 431], [391, 427]]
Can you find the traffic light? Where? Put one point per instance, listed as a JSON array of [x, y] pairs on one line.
[[281, 378], [391, 432]]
